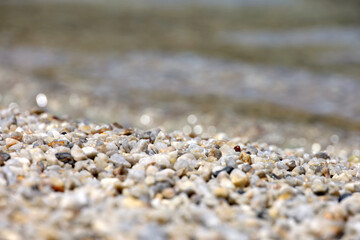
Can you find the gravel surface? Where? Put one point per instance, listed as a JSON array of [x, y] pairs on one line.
[[64, 179]]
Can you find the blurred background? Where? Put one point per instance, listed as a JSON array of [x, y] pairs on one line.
[[282, 71]]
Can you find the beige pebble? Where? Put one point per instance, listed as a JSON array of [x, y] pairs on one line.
[[10, 142], [77, 153], [239, 178], [221, 192], [168, 193]]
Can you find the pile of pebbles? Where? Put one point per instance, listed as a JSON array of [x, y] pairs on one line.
[[63, 179]]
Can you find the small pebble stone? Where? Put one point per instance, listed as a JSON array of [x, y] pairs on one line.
[[119, 160], [90, 152], [3, 158], [214, 152], [65, 158], [239, 178], [318, 187], [184, 162], [77, 153], [237, 148], [322, 155], [10, 142]]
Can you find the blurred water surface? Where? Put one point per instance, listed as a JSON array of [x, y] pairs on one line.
[[150, 63]]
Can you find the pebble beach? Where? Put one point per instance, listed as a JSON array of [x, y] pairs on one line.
[[164, 119], [66, 179]]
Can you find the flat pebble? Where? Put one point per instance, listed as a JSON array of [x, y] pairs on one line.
[[119, 160], [90, 152], [77, 153], [185, 161]]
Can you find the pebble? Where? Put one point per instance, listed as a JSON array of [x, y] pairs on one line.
[[318, 187], [214, 152], [65, 158], [162, 160], [109, 182], [239, 178], [3, 158], [119, 160], [221, 192], [185, 161], [90, 152], [252, 149], [322, 155], [11, 142], [168, 193], [101, 161], [164, 175], [226, 150], [136, 175], [57, 184], [77, 153], [141, 146]]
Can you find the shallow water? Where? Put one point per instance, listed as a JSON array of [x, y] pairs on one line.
[[345, 37], [192, 75]]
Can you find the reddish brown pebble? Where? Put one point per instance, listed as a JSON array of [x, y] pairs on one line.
[[58, 188], [237, 148]]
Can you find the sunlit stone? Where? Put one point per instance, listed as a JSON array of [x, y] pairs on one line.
[[192, 119], [316, 147], [198, 129], [145, 119], [41, 100], [187, 129]]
